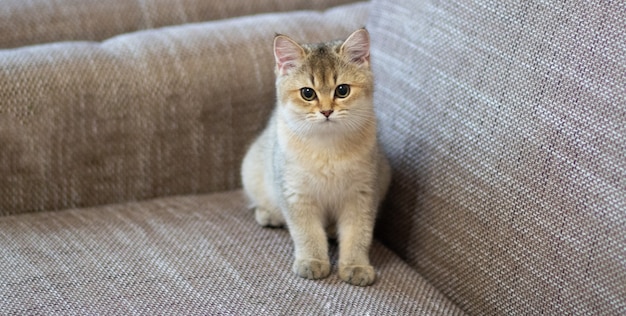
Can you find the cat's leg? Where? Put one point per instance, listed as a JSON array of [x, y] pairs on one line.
[[267, 212], [269, 216], [255, 179], [356, 226], [304, 219]]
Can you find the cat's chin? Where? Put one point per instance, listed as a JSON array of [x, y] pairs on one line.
[[326, 124], [329, 130]]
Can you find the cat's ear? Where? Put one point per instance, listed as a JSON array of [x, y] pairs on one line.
[[287, 53], [356, 48]]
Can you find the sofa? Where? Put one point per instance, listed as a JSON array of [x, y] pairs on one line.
[[123, 125]]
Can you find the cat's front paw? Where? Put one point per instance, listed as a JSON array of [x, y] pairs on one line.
[[269, 218], [311, 268], [357, 275]]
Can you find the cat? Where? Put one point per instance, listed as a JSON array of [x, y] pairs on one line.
[[318, 166]]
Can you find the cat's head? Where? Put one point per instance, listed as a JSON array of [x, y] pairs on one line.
[[325, 87]]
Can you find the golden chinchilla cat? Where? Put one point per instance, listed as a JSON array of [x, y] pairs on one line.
[[317, 166]]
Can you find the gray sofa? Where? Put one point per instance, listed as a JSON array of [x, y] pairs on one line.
[[123, 126]]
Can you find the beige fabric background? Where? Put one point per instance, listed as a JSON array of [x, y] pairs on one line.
[[27, 22], [505, 122]]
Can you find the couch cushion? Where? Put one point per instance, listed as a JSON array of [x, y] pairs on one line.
[[41, 21], [142, 115], [505, 123], [184, 255]]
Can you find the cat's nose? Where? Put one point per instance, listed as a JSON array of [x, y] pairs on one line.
[[327, 113]]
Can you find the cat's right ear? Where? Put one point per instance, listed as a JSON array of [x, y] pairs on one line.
[[357, 47], [287, 53]]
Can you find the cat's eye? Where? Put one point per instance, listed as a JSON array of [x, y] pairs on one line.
[[342, 91], [308, 94]]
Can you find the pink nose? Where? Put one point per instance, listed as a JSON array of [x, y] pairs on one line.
[[327, 113]]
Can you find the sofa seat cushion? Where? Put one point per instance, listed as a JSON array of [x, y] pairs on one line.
[[183, 255]]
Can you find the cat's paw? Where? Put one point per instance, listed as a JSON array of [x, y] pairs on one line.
[[269, 218], [311, 268], [357, 275]]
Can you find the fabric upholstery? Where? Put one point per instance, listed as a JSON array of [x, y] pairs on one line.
[[41, 21], [147, 114], [505, 123], [195, 255]]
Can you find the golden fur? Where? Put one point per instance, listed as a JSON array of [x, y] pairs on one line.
[[317, 166]]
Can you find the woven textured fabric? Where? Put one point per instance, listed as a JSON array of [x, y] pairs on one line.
[[41, 21], [505, 123], [198, 255], [148, 114]]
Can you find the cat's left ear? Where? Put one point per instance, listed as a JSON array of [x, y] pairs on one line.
[[356, 48], [287, 54]]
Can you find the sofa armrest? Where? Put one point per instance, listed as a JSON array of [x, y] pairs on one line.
[[44, 21], [153, 113]]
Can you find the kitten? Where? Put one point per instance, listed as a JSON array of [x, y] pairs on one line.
[[318, 165]]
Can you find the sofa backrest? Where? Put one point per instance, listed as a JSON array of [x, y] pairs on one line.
[[43, 21], [169, 111], [505, 123]]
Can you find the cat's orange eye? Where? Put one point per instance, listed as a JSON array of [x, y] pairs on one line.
[[308, 94], [342, 91]]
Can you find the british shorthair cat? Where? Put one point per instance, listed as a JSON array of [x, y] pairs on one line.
[[317, 166]]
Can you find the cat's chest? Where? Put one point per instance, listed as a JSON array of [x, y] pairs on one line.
[[326, 169], [327, 172], [327, 180]]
